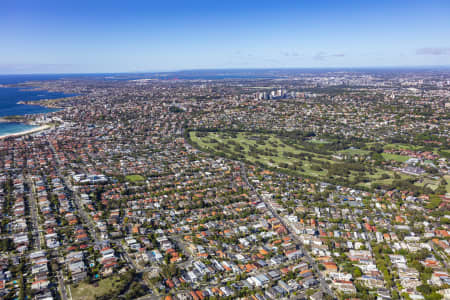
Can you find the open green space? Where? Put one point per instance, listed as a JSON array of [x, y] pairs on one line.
[[125, 286], [444, 153], [430, 183], [395, 157], [319, 141], [134, 178], [402, 147], [354, 151], [435, 200], [85, 291], [301, 157], [447, 178]]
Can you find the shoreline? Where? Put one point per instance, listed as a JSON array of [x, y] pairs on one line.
[[14, 119], [49, 103], [30, 131], [46, 103]]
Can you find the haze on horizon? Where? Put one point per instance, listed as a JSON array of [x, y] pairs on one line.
[[118, 36]]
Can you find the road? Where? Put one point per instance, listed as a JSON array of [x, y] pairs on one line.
[[62, 286], [126, 256], [91, 227], [149, 297], [130, 261], [34, 214], [88, 222], [440, 253], [86, 219], [178, 240], [323, 284]]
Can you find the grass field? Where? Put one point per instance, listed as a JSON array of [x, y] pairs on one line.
[[134, 178], [401, 146], [86, 291], [272, 145], [297, 157], [319, 141], [446, 152], [430, 183], [395, 157], [354, 152], [447, 178]]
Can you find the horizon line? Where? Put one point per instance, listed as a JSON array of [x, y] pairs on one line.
[[236, 69]]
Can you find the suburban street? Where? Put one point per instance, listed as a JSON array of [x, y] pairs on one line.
[[37, 231], [262, 184], [62, 285], [323, 285]]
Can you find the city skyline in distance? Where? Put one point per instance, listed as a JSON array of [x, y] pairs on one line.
[[113, 37]]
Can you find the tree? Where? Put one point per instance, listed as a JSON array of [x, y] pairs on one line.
[[433, 296], [424, 289], [357, 272]]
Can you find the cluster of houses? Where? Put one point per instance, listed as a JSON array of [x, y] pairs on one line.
[[76, 266], [116, 184], [351, 224], [40, 274]]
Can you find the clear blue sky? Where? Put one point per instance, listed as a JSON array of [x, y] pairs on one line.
[[128, 36]]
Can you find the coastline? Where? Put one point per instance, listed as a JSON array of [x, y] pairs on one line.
[[16, 118], [30, 131], [47, 103], [34, 98]]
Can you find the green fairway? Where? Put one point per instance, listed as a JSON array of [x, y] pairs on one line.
[[319, 141], [402, 147], [307, 158], [395, 157], [134, 178], [354, 152]]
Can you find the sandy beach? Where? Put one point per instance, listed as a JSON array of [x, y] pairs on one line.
[[34, 130]]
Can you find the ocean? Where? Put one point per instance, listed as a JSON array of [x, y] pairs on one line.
[[14, 127], [10, 96]]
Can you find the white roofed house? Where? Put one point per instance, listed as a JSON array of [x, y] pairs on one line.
[[76, 266], [77, 270]]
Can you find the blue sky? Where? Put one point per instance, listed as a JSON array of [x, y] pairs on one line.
[[131, 36]]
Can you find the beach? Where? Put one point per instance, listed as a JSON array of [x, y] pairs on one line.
[[33, 130]]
